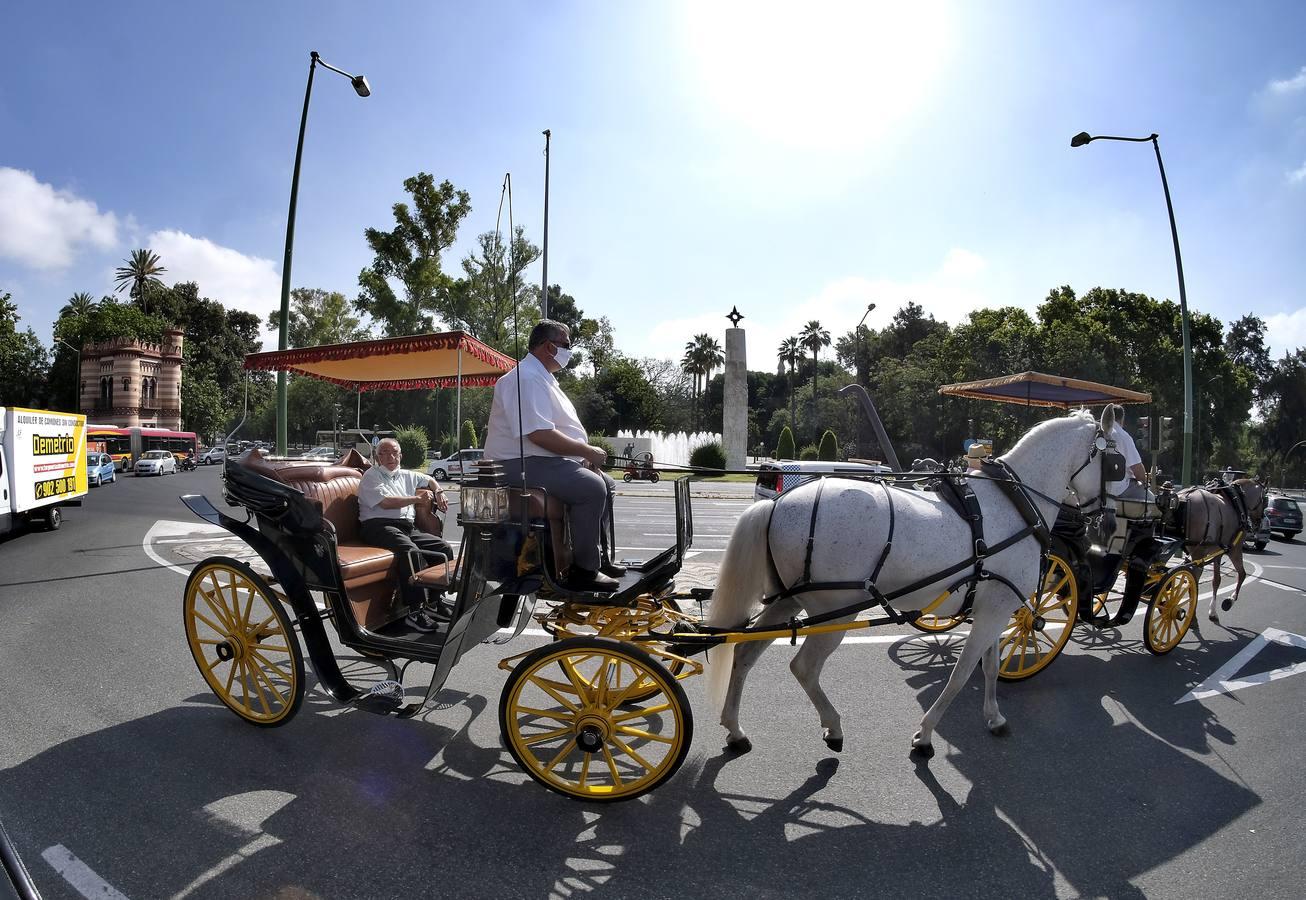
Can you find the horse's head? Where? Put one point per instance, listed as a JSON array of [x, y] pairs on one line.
[[1254, 498], [1100, 463]]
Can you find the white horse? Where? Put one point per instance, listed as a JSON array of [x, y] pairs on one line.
[[851, 529]]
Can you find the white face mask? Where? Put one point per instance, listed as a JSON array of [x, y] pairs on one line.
[[562, 356]]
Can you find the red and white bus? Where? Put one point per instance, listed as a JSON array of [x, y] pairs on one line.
[[126, 445]]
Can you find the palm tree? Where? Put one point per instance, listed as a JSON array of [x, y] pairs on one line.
[[693, 367], [78, 304], [702, 355], [789, 352], [710, 356], [814, 337], [141, 270]]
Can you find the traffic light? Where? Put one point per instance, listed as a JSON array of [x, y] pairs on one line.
[[1168, 436], [1145, 431]]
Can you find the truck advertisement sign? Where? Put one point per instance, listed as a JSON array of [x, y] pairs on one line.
[[47, 456]]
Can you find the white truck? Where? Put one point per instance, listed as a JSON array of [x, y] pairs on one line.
[[42, 465]]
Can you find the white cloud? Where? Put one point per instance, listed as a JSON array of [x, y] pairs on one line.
[[1285, 332], [950, 294], [42, 227], [1289, 85], [1298, 175], [249, 283]]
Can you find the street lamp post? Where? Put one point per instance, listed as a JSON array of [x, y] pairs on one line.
[[1284, 463], [858, 331], [362, 88], [77, 376], [1080, 140]]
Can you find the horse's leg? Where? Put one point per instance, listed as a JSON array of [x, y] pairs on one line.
[[993, 718], [806, 666], [990, 617], [746, 656], [1236, 557], [1215, 590]]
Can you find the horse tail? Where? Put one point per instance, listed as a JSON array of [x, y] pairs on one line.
[[744, 574]]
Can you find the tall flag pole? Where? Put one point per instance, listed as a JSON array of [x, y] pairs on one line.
[[544, 292]]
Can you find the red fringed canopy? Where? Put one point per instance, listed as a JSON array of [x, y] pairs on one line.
[[415, 362]]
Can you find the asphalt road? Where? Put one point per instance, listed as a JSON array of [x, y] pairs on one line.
[[123, 777]]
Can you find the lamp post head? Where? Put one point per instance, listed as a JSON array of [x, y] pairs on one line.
[[361, 86], [869, 308], [1081, 139]]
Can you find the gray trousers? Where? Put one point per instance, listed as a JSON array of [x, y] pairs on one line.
[[587, 493]]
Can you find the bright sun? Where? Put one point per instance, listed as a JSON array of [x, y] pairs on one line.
[[819, 74]]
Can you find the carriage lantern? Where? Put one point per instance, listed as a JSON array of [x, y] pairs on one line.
[[485, 501]]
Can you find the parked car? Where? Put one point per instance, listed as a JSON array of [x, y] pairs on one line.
[[1285, 516], [100, 469], [213, 455], [455, 466], [323, 453], [156, 462], [774, 477]]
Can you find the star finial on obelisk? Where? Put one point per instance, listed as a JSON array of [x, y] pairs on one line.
[[735, 316]]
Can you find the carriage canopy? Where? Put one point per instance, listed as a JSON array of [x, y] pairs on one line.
[[1038, 389], [411, 363]]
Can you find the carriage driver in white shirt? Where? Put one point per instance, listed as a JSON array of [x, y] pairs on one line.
[[558, 457], [1133, 487]]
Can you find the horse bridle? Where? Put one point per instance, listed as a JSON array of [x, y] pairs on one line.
[[1113, 469]]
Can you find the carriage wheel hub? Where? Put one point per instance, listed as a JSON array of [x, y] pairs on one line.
[[591, 733], [225, 651]]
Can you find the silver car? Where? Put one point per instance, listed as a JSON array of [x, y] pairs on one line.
[[156, 462]]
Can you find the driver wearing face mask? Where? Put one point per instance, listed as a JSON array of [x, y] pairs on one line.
[[557, 454]]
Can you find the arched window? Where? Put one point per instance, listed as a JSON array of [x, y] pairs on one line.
[[126, 383]]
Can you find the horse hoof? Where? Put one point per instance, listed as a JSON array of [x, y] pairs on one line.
[[1226, 604], [835, 744], [1214, 618], [999, 730], [920, 748], [739, 747]]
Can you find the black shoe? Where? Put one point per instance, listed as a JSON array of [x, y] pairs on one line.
[[588, 582], [422, 620], [612, 570]]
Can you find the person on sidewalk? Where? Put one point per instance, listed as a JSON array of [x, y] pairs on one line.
[[387, 501], [554, 449]]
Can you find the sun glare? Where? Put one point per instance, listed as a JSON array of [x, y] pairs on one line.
[[819, 74]]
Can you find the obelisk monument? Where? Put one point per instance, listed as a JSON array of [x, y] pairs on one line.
[[734, 408]]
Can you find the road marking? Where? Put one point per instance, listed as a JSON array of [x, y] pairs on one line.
[[79, 874], [1223, 682]]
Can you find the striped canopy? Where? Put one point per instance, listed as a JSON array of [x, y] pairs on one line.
[[1038, 389], [415, 362]]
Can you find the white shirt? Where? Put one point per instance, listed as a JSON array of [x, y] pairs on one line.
[[378, 483], [543, 405], [1124, 446]]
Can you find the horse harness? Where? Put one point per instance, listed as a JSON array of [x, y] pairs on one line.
[[955, 490]]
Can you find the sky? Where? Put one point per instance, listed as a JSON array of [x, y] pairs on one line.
[[798, 161]]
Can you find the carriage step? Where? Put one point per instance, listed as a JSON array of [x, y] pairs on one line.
[[383, 698]]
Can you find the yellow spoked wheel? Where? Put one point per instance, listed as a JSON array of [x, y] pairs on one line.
[[1171, 612], [932, 624], [243, 642], [622, 623], [1036, 637], [568, 718]]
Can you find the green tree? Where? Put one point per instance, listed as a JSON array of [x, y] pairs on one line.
[[412, 446], [702, 356], [784, 448], [789, 352], [78, 304], [23, 359], [814, 337], [492, 291], [410, 254], [140, 275], [708, 456], [829, 449], [318, 317], [467, 436]]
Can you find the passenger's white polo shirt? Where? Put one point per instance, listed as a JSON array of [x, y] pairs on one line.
[[377, 484], [543, 405], [1124, 446]]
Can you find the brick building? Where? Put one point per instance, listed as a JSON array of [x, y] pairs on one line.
[[126, 382]]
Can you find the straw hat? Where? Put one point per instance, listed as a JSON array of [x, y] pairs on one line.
[[978, 451]]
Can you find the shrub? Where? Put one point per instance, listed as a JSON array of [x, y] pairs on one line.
[[468, 435], [785, 447], [829, 450], [708, 456], [446, 447], [809, 452], [412, 446]]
